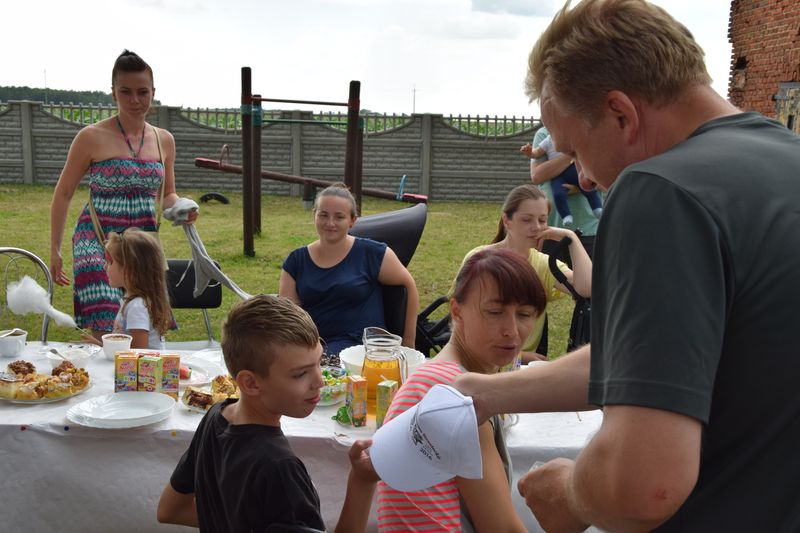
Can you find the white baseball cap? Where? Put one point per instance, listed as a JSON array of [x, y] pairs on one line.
[[432, 442]]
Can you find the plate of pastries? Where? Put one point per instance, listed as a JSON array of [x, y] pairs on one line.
[[21, 383], [202, 398]]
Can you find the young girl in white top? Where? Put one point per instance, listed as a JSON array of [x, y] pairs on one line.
[[135, 263]]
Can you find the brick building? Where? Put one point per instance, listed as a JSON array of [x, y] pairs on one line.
[[765, 64]]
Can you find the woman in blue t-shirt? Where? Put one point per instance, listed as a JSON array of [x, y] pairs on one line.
[[337, 279]]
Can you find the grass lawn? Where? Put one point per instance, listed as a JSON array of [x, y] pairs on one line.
[[452, 230]]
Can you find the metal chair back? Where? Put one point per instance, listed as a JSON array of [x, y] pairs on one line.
[[14, 264]]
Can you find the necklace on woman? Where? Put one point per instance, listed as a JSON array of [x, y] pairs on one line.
[[135, 154]]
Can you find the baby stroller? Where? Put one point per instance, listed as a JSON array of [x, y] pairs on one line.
[[580, 327], [432, 335]]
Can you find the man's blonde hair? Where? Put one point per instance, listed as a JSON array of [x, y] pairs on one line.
[[257, 329], [603, 45]]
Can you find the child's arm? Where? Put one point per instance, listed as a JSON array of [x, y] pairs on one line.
[[544, 171], [360, 489], [140, 338], [538, 152], [176, 508]]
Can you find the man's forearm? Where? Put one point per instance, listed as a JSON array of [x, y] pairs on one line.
[[561, 385]]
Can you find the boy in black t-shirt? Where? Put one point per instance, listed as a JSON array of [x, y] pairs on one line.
[[239, 473]]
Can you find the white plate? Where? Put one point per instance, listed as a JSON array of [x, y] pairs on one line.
[[92, 349], [122, 410], [202, 371], [213, 355]]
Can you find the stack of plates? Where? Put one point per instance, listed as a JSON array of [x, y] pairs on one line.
[[122, 410]]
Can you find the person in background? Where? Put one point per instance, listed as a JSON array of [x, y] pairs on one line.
[[239, 473], [523, 228], [135, 263], [338, 277], [567, 178], [584, 220], [496, 299], [131, 167], [694, 353]]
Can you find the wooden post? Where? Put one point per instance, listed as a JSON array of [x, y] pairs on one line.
[[351, 146], [247, 162], [256, 176], [359, 161]]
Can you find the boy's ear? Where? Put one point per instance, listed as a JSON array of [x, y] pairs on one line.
[[248, 382]]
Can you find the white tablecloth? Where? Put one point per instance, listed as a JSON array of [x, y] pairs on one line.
[[65, 477]]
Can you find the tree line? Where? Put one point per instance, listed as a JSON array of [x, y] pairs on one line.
[[37, 94]]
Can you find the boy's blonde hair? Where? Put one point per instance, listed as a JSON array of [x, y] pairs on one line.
[[258, 327], [142, 261], [604, 45]]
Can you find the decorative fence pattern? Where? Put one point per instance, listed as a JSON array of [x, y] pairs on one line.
[[447, 158]]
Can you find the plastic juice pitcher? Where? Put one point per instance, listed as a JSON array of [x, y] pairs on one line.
[[383, 359]]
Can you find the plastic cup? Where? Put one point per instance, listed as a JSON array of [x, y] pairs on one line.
[[115, 342]]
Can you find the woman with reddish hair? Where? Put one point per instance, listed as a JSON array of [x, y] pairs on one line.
[[495, 301]]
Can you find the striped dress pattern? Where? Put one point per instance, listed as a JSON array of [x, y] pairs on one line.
[[124, 196], [438, 508]]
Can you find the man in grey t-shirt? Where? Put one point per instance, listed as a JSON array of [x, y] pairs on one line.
[[696, 279]]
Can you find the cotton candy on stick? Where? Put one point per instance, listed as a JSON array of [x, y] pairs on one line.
[[26, 296]]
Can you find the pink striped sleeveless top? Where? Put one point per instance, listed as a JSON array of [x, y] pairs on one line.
[[433, 509]]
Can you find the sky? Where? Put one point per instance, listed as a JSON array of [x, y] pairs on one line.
[[425, 56]]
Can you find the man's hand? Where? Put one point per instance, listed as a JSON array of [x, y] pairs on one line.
[[476, 386], [545, 490]]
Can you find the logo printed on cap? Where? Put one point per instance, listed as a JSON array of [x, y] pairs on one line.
[[421, 441]]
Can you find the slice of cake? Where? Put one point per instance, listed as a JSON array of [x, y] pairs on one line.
[[21, 368], [9, 385]]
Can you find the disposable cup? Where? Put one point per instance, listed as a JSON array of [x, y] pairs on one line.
[[115, 342]]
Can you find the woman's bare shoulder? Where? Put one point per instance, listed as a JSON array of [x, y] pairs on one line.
[[90, 140], [165, 135]]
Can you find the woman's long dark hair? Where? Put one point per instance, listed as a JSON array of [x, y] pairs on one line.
[[512, 203]]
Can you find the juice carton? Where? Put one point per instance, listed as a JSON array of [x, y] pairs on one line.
[[150, 373], [126, 368], [356, 402], [170, 374], [384, 395]]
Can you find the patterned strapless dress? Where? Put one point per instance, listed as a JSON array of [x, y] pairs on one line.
[[124, 194]]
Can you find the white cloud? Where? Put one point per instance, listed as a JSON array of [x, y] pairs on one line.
[[527, 8], [463, 56]]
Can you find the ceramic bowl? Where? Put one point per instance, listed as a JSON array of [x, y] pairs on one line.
[[353, 359], [12, 345]]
